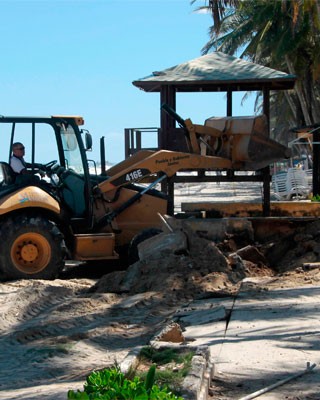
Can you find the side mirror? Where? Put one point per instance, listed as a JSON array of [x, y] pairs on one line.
[[88, 141]]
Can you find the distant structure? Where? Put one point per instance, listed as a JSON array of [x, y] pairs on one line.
[[215, 72]]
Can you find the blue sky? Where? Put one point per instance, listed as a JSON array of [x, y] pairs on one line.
[[80, 57]]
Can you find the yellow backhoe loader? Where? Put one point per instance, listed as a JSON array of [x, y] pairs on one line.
[[75, 214]]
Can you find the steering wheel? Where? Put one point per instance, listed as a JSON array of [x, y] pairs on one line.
[[49, 165]]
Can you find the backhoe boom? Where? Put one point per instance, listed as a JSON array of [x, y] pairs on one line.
[[162, 161]]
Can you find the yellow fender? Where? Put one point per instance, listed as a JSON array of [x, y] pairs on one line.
[[30, 196]]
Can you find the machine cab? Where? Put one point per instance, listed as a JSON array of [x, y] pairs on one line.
[[53, 145]]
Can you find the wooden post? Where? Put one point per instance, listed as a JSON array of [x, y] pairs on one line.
[[229, 103], [316, 163], [168, 96], [230, 172], [266, 170]]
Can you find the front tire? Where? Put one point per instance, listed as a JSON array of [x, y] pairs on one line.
[[31, 248]]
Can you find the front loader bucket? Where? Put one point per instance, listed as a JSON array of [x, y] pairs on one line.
[[245, 141], [255, 151]]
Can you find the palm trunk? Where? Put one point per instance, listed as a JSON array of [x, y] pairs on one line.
[[300, 94], [290, 101]]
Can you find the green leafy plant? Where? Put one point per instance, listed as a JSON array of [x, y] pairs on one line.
[[315, 198], [111, 384], [150, 378], [165, 355], [175, 363]]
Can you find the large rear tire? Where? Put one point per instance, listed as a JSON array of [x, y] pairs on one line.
[[31, 248]]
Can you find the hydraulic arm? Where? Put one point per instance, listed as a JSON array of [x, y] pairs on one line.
[[238, 143]]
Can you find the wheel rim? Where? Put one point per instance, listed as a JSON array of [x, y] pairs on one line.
[[31, 253]]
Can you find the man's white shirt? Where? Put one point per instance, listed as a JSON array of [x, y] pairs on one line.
[[17, 164]]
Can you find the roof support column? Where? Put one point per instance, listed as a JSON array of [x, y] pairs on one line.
[[316, 163], [266, 105], [266, 170], [168, 96], [229, 103], [230, 173]]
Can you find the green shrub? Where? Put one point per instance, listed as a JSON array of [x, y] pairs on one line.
[[166, 355], [111, 384], [169, 376]]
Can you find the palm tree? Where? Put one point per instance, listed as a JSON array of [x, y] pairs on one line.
[[281, 34], [218, 9]]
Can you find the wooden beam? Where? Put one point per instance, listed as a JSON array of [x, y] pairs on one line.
[[229, 103]]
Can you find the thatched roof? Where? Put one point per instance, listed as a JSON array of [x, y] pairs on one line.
[[216, 72]]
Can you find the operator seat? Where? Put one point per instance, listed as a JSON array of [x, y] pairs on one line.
[[7, 174]]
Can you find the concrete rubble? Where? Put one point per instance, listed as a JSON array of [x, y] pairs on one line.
[[258, 339]]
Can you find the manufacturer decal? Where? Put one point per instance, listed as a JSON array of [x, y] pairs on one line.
[[175, 160], [131, 176]]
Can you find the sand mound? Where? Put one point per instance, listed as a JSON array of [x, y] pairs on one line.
[[199, 270]]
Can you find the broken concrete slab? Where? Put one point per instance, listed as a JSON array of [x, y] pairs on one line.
[[195, 384], [171, 333], [215, 229], [251, 253], [201, 317], [175, 242], [271, 336]]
